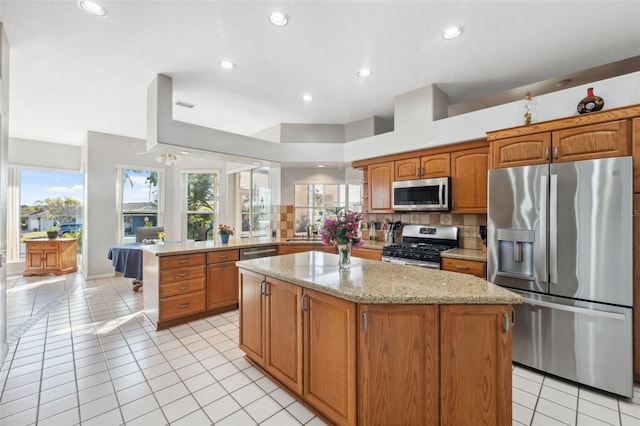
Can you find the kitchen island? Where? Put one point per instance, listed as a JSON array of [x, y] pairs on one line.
[[380, 343]]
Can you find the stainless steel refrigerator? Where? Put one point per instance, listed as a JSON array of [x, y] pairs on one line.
[[560, 235]]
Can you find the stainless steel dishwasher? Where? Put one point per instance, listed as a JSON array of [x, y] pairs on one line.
[[256, 252]]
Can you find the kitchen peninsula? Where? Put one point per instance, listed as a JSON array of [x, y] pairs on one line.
[[380, 343]]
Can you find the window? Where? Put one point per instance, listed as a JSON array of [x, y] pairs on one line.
[[202, 196], [311, 201], [141, 198], [254, 189], [45, 199]]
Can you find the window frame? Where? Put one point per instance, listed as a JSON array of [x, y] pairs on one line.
[[184, 174]]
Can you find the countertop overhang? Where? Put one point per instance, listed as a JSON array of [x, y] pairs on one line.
[[370, 281]]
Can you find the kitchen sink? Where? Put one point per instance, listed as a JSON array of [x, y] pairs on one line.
[[305, 239]]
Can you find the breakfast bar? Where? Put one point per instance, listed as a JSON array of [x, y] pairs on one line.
[[379, 343]]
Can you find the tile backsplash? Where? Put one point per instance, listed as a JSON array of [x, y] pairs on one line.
[[468, 224], [282, 220]]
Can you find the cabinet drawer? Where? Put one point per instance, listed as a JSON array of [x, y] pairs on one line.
[[44, 246], [465, 266], [223, 256], [182, 274], [182, 287], [182, 305], [172, 262]]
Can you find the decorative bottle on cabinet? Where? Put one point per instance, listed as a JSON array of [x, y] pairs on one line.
[[591, 103]]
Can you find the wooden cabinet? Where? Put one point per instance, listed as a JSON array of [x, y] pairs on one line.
[[222, 279], [428, 166], [364, 253], [283, 333], [470, 267], [181, 286], [380, 181], [475, 364], [609, 139], [271, 327], [469, 180], [330, 356], [398, 364], [299, 248], [44, 256], [252, 313]]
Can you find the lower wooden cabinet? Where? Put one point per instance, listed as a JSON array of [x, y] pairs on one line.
[[397, 364], [475, 365], [330, 356], [44, 256], [471, 267], [367, 253], [222, 279], [299, 248], [380, 364]]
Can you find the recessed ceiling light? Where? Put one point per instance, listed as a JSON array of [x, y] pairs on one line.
[[279, 19], [185, 152], [257, 163], [320, 165], [364, 72], [92, 8], [227, 65], [453, 32], [307, 97]]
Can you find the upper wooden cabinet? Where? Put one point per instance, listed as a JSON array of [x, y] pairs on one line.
[[601, 140], [469, 180], [424, 167], [380, 180]]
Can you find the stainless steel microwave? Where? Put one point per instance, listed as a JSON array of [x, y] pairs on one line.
[[421, 195]]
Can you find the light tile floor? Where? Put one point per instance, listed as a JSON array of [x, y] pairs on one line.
[[82, 353]]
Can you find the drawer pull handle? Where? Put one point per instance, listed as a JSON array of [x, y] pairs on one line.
[[183, 261], [223, 256], [184, 305], [183, 274], [184, 287], [462, 267]]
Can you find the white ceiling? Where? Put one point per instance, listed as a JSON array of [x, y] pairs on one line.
[[71, 72]]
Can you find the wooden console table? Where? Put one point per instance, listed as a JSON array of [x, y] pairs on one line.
[[45, 256]]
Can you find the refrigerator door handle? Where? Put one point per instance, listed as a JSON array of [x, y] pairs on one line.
[[553, 230], [575, 309], [544, 196]]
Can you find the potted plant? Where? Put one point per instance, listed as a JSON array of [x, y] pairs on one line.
[[224, 231], [52, 233]]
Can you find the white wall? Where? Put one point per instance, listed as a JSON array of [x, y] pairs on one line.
[[46, 155], [616, 92], [104, 154]]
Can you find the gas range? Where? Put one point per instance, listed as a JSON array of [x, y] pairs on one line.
[[421, 245]]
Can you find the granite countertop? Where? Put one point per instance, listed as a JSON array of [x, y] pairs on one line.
[[465, 254], [371, 281], [190, 247]]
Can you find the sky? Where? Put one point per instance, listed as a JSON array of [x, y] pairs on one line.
[[40, 184]]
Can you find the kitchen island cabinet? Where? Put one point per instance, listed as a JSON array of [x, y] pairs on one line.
[[395, 340], [45, 256]]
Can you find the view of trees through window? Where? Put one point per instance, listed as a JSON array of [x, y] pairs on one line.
[[312, 200], [140, 200], [50, 200], [202, 205], [254, 190]]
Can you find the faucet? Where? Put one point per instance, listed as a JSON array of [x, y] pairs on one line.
[[206, 234]]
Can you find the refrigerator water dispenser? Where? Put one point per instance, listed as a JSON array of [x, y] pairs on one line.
[[515, 253]]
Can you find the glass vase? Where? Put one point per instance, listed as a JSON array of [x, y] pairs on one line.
[[344, 256]]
